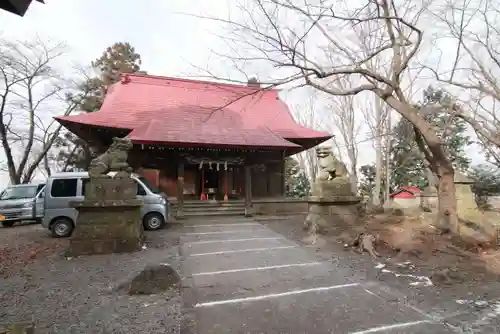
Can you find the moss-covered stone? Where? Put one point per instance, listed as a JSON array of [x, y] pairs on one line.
[[153, 279]]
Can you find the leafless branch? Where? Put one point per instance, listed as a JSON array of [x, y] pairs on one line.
[[31, 89]]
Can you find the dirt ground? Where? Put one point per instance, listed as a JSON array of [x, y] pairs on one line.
[[401, 239], [414, 237], [24, 244]]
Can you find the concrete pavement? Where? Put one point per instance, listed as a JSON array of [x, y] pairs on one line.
[[241, 277]]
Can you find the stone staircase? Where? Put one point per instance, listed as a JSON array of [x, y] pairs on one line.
[[210, 208]]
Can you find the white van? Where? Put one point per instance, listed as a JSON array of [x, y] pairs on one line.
[[21, 202], [63, 188]]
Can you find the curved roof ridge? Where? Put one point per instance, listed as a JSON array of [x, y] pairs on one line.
[[160, 78]]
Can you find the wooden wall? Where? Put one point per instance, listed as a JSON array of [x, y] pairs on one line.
[[161, 170]]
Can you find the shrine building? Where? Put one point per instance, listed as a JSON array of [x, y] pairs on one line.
[[199, 140]]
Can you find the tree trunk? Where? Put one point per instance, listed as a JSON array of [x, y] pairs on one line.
[[11, 167], [378, 170], [435, 155], [378, 154], [447, 205], [388, 150], [353, 175], [46, 165], [31, 138]]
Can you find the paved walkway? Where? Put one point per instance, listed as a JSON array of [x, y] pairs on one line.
[[241, 277]]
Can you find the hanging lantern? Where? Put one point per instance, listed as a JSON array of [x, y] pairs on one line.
[[210, 165], [217, 166], [225, 165], [201, 165]]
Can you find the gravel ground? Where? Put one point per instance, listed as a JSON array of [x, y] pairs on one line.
[[24, 244], [77, 295]]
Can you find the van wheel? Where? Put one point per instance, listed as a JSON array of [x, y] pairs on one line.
[[62, 228], [154, 221], [8, 224]]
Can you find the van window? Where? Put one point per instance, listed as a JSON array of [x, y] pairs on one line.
[[64, 188], [140, 190], [84, 185], [148, 184], [19, 192]]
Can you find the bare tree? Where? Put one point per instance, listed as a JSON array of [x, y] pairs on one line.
[[307, 114], [375, 113], [266, 33], [343, 110], [475, 68], [30, 89]]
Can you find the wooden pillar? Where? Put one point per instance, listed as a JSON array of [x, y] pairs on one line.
[[248, 191], [283, 176], [202, 196], [180, 190], [226, 197]]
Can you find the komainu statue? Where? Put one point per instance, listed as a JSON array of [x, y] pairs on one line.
[[332, 178], [330, 186], [113, 160]]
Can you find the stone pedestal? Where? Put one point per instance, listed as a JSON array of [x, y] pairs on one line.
[[110, 189], [333, 211], [109, 219], [329, 188]]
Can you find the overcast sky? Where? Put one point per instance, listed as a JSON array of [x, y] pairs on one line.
[[168, 42]]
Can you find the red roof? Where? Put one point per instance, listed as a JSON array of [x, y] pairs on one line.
[[406, 192], [171, 110], [412, 189], [205, 134], [402, 194]]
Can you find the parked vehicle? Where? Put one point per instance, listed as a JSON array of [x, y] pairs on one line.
[[63, 188], [22, 202]]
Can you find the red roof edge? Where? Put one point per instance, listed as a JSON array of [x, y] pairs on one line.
[[413, 189], [181, 144], [404, 190]]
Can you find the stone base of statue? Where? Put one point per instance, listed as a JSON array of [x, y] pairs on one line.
[[109, 219], [329, 188], [100, 189], [332, 205]]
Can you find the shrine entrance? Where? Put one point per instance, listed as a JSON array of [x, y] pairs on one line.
[[210, 184]]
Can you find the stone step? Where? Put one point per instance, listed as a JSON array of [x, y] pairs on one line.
[[214, 209], [188, 214], [210, 205], [209, 202]]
